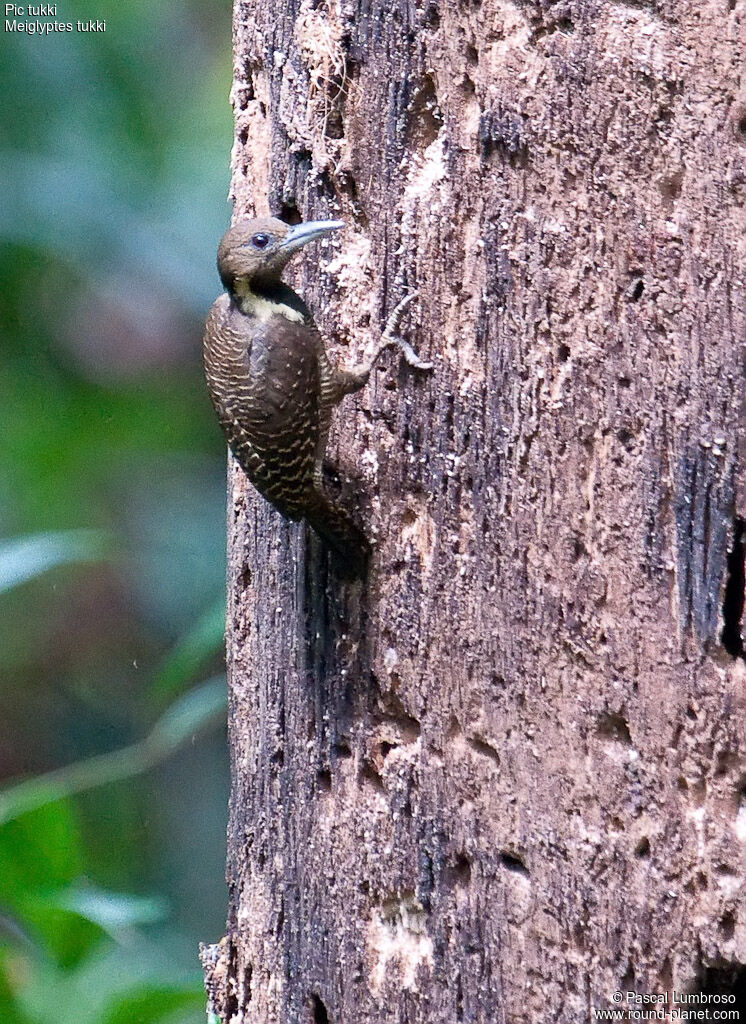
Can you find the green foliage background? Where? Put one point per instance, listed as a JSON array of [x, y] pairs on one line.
[[113, 770]]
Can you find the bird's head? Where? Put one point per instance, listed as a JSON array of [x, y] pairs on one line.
[[256, 251]]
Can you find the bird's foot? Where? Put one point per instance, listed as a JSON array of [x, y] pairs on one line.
[[391, 338]]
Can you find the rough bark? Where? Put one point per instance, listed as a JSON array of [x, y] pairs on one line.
[[506, 776]]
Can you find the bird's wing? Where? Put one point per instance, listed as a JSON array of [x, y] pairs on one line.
[[264, 380], [284, 376]]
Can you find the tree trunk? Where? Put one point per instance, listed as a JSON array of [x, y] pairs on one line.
[[506, 775]]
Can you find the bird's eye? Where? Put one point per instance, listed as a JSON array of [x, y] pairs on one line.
[[260, 241]]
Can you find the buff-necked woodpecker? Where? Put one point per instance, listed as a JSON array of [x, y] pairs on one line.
[[271, 381]]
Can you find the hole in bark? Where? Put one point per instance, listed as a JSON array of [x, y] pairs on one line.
[[643, 848], [638, 289], [408, 726], [665, 976], [342, 749], [579, 549], [670, 187], [733, 601], [726, 761], [728, 926], [563, 353], [481, 746], [504, 131], [725, 980], [724, 870], [424, 116], [454, 728], [320, 1016], [432, 17], [386, 749], [324, 779], [461, 870], [472, 54], [512, 862], [614, 727], [290, 213], [348, 185], [245, 96], [370, 775], [243, 136], [565, 26], [628, 981], [626, 437]]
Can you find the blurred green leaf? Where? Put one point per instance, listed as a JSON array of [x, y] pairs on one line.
[[39, 852], [186, 717], [39, 855], [140, 980], [153, 1005], [65, 937], [108, 228], [25, 558]]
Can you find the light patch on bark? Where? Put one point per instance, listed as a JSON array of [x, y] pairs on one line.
[[741, 819], [418, 532], [425, 172], [352, 263], [398, 939], [352, 272], [250, 99]]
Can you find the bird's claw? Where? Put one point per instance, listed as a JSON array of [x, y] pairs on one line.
[[391, 338]]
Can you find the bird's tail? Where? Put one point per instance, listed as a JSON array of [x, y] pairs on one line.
[[340, 533]]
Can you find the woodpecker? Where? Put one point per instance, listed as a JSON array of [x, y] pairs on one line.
[[272, 383]]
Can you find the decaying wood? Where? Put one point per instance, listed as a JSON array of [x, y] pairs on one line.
[[506, 776]]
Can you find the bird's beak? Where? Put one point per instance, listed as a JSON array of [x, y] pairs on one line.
[[302, 234]]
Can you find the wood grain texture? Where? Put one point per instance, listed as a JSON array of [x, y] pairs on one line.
[[506, 776]]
